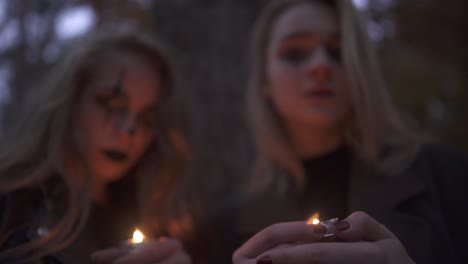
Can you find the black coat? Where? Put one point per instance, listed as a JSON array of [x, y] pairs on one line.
[[426, 207]]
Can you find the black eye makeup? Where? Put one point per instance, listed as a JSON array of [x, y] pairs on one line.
[[111, 102], [333, 48], [294, 55], [113, 99], [119, 104], [296, 51]]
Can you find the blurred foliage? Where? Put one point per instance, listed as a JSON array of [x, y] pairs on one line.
[[422, 43], [30, 41], [426, 63]]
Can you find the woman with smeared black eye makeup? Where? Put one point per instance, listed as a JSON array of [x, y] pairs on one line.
[[91, 159], [115, 101]]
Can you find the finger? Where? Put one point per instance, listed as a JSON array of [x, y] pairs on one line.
[[326, 253], [179, 257], [362, 227], [106, 255], [244, 260], [150, 252], [274, 235], [359, 226]]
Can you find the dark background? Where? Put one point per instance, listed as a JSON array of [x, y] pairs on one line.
[[423, 45]]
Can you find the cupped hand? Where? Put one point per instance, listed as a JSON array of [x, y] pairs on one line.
[[365, 241], [161, 251]]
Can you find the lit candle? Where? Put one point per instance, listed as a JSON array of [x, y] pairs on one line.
[[137, 239], [314, 219], [328, 224]]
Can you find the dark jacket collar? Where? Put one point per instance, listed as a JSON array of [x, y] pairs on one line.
[[400, 201]]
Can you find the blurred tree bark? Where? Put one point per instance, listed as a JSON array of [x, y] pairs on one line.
[[25, 57], [122, 11], [425, 62], [211, 38]]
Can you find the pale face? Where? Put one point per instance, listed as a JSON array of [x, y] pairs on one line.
[[116, 118], [305, 78]]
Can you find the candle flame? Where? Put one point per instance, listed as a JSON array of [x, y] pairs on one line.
[[314, 219], [138, 237]]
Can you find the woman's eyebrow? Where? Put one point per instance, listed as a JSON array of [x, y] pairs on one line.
[[108, 87], [309, 34], [299, 34]]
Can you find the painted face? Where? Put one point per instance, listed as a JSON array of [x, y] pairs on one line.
[[305, 77], [117, 115]]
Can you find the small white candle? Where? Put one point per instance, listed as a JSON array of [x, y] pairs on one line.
[[137, 239]]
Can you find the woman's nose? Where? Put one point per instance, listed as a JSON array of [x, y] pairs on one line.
[[128, 124], [320, 64]]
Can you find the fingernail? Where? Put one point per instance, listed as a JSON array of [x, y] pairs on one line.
[[319, 229], [264, 260], [341, 226]]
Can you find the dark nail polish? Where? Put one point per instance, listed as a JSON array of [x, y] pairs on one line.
[[341, 226], [264, 260], [319, 229]]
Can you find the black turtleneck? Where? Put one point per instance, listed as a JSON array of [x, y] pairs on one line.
[[327, 178]]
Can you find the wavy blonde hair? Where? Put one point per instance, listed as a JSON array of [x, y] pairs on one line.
[[40, 143], [374, 124]]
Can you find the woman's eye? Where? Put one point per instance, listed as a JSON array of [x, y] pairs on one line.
[[112, 104], [148, 123], [334, 52], [294, 55], [148, 120]]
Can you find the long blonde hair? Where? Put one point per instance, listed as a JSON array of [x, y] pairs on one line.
[[40, 143], [374, 124]]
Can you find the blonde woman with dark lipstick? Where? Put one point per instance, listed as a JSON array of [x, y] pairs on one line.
[[330, 141], [93, 152]]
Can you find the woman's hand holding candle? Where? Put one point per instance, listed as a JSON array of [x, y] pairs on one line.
[[367, 241], [143, 251]]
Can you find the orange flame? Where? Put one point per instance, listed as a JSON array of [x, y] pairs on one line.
[[314, 219], [138, 237]]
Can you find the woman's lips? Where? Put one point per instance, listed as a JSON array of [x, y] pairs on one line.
[[115, 155], [320, 94]]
